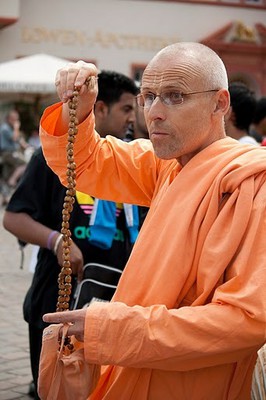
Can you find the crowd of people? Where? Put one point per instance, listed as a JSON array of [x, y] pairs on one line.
[[192, 265], [15, 152]]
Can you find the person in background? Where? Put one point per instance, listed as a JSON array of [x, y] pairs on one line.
[[258, 127], [34, 216], [12, 146], [139, 127], [34, 139], [259, 376], [188, 315], [241, 113]]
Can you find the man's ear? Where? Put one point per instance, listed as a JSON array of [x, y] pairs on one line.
[[100, 109], [222, 104]]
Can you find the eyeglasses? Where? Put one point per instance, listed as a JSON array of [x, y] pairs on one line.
[[169, 97]]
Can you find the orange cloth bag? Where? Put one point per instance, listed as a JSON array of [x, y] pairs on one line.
[[64, 374]]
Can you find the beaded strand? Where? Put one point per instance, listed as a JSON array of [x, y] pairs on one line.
[[64, 277]]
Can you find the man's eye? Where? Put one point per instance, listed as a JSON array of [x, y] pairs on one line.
[[174, 97], [127, 109], [149, 96]]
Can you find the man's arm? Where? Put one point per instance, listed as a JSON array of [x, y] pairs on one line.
[[178, 340], [103, 166], [231, 326], [16, 131], [25, 228]]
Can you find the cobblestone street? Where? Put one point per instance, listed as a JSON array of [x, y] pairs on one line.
[[15, 373]]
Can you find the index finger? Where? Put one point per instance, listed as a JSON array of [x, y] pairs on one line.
[[59, 317]]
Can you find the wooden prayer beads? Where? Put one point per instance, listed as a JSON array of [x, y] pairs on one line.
[[64, 278]]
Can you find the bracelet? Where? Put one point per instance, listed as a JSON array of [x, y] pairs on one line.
[[49, 240], [58, 240]]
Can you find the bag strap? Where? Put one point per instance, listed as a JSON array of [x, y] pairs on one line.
[[55, 387], [64, 339]]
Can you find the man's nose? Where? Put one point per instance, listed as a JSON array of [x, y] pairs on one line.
[[156, 110], [132, 117]]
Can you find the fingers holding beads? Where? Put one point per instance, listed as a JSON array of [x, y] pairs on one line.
[[75, 318], [85, 71], [79, 75]]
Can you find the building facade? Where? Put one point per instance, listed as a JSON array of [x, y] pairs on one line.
[[124, 34]]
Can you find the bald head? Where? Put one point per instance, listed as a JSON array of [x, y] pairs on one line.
[[197, 62], [184, 92]]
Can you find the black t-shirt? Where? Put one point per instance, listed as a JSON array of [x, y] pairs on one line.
[[40, 194]]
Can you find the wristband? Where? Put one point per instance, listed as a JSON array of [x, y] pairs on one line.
[[58, 240], [50, 238]]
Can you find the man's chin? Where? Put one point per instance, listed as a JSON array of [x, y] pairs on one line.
[[163, 155]]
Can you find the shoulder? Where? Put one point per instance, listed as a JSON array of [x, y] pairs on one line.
[[4, 128]]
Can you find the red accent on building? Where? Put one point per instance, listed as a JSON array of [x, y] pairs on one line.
[[243, 50]]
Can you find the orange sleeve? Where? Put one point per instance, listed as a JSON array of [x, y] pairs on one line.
[[109, 156], [175, 340], [54, 141]]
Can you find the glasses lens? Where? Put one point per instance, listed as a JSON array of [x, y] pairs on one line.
[[145, 100], [172, 98], [169, 98]]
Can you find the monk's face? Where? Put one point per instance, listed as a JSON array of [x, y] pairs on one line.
[[182, 130]]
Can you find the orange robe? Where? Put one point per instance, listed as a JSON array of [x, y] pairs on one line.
[[189, 313]]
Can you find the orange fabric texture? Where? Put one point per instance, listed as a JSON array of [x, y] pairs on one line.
[[64, 375], [189, 313]]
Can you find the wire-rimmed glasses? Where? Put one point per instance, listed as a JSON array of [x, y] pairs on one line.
[[167, 97]]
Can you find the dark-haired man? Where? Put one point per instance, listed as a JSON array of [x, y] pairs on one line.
[[258, 127], [241, 112]]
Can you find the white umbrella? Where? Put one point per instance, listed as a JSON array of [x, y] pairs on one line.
[[33, 74]]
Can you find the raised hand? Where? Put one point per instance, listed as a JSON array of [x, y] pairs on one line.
[[79, 75]]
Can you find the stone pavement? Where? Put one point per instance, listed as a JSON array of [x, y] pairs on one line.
[[15, 374]]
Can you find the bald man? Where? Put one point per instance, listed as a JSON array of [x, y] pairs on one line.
[[188, 316]]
